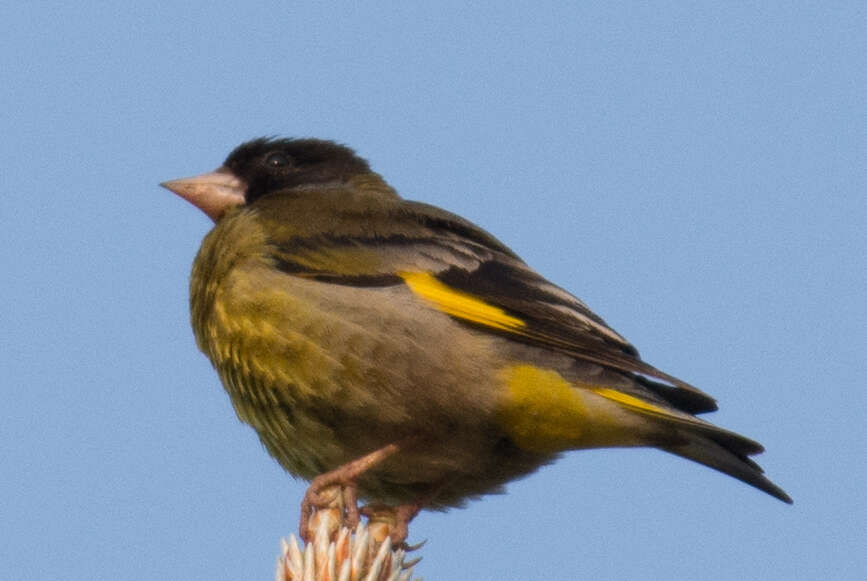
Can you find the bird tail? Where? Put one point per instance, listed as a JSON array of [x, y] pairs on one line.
[[690, 437], [702, 448]]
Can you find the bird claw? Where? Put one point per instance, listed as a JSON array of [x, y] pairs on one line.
[[392, 521], [322, 497], [339, 503], [338, 490], [415, 547]]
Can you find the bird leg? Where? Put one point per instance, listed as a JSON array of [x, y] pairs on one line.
[[345, 477]]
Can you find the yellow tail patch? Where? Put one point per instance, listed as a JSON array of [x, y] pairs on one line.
[[629, 401], [541, 411], [544, 412], [645, 408], [459, 304]]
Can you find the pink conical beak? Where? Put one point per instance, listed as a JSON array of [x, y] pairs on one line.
[[213, 193]]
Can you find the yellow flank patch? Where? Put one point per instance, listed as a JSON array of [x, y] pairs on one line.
[[542, 412], [629, 401], [459, 304]]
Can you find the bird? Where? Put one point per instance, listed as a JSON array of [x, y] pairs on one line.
[[404, 354]]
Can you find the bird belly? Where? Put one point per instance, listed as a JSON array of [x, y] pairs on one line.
[[326, 374]]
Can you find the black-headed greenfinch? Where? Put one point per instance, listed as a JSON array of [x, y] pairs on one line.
[[392, 346]]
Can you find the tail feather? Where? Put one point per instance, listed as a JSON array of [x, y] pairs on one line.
[[702, 449], [683, 434]]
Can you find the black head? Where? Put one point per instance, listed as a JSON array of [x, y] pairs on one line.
[[268, 165]]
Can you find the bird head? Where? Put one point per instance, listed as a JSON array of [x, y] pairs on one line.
[[262, 166]]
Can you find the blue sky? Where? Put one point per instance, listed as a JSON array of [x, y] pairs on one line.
[[695, 173]]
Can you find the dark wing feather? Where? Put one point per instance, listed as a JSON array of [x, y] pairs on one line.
[[555, 319], [465, 258]]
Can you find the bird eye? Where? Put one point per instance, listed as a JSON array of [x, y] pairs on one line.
[[276, 160]]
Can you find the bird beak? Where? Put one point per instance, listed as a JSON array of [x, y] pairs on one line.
[[213, 193]]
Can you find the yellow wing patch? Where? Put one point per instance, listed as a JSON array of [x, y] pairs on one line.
[[459, 304]]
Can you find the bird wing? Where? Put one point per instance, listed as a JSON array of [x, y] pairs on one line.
[[468, 274]]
